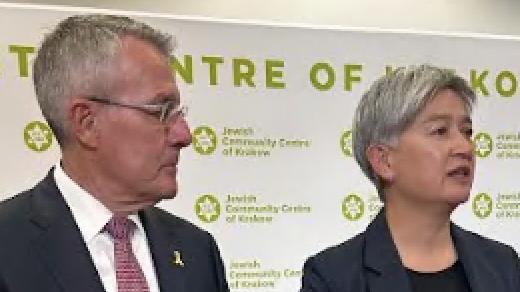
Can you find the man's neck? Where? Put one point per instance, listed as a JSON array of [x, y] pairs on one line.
[[82, 170]]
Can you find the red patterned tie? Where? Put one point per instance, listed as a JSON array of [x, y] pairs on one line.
[[129, 276]]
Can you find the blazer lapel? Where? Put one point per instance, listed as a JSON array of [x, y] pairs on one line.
[[59, 242], [167, 250], [385, 272], [482, 277]]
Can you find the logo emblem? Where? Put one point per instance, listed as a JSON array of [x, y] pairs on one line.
[[37, 136], [207, 208], [345, 142], [353, 207], [483, 144], [204, 140], [482, 205]]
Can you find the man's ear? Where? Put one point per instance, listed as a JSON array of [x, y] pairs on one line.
[[379, 158], [82, 116]]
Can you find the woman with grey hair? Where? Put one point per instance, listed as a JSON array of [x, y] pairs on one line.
[[412, 138]]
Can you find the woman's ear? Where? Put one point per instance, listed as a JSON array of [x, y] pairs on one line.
[[378, 156]]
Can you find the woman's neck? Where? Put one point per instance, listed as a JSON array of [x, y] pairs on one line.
[[421, 233]]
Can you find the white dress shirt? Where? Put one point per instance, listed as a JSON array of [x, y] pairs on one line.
[[91, 216]]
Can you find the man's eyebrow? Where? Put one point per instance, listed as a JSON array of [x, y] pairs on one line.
[[468, 120]]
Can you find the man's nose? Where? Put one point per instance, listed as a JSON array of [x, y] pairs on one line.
[[179, 132]]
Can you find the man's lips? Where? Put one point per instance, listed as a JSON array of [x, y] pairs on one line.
[[171, 165]]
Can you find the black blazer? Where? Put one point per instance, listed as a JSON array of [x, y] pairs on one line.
[[41, 248], [370, 262]]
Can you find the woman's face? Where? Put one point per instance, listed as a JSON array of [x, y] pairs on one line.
[[434, 159]]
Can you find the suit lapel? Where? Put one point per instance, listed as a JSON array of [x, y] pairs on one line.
[[385, 272], [482, 277], [164, 245], [59, 242]]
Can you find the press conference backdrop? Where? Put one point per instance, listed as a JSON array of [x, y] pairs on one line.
[[270, 172]]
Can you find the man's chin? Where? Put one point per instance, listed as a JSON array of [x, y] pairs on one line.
[[170, 171], [157, 197], [165, 187], [167, 195]]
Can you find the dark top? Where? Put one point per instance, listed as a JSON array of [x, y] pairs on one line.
[[369, 262], [452, 279]]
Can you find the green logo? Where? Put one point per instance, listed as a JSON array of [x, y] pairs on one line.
[[37, 136], [204, 140], [482, 205], [483, 144], [345, 142], [207, 208], [353, 207]]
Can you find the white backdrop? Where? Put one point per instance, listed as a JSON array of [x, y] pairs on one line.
[[269, 173]]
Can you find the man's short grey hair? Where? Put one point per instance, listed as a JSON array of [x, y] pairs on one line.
[[76, 59], [393, 102]]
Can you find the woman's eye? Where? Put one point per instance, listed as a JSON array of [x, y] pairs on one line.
[[440, 131]]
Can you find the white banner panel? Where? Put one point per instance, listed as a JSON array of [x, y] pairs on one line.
[[270, 172]]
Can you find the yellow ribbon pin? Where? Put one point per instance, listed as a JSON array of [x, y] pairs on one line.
[[177, 258]]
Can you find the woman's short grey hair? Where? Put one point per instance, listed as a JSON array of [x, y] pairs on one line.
[[393, 102], [76, 59]]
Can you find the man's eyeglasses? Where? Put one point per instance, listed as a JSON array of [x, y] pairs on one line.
[[166, 112]]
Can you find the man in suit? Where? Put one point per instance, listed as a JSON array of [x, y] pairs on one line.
[[105, 87]]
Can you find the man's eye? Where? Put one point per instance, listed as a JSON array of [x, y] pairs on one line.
[[468, 132], [156, 112]]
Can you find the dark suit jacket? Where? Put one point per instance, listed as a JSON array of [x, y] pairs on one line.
[[41, 248], [370, 262]]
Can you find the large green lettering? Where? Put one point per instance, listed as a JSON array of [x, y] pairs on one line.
[[331, 76], [23, 64], [499, 82], [389, 70], [247, 76], [477, 82], [186, 70], [271, 74], [213, 61], [350, 78]]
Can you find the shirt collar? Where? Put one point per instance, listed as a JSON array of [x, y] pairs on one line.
[[90, 215]]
